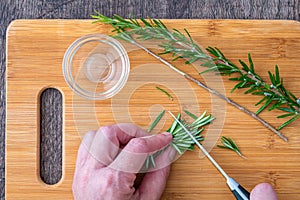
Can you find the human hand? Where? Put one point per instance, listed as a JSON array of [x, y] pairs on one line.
[[105, 172], [263, 191]]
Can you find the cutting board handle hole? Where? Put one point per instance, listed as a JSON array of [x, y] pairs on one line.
[[50, 151]]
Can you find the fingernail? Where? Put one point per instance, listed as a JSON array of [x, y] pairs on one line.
[[148, 136], [166, 133]]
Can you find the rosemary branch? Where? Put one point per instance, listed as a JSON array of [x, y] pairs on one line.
[[180, 45]]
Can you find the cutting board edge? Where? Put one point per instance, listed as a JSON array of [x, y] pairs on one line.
[[16, 21]]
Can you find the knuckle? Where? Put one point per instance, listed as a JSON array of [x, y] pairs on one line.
[[90, 133], [138, 144], [107, 132], [104, 129], [89, 136]]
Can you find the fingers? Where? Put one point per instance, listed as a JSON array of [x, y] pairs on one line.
[[104, 147], [263, 191], [162, 160], [133, 156], [82, 156], [107, 141], [83, 151], [153, 184], [126, 132]]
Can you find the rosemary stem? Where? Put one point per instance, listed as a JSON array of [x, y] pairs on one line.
[[158, 58], [241, 108], [218, 94]]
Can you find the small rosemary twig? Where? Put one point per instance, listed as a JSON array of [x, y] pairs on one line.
[[228, 143]]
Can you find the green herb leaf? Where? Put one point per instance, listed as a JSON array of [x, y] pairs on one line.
[[157, 119], [251, 63], [165, 92], [286, 115], [190, 114], [288, 122], [265, 105]]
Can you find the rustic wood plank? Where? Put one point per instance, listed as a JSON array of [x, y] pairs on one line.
[[244, 9], [232, 9]]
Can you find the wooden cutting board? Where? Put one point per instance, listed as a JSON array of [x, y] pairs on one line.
[[35, 50]]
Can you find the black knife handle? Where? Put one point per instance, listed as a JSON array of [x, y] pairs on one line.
[[240, 190]]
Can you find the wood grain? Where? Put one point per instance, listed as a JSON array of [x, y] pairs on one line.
[[34, 66], [20, 9]]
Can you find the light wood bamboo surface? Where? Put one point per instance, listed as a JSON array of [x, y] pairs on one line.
[[35, 49]]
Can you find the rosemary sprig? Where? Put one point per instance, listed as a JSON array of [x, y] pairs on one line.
[[274, 95], [228, 143], [182, 141], [165, 92], [182, 45]]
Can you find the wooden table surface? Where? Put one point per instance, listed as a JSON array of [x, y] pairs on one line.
[[80, 9]]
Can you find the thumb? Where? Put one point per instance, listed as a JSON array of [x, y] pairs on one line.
[[134, 154], [153, 184], [263, 191]]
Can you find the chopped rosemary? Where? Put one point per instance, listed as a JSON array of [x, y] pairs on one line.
[[228, 143], [157, 119], [165, 92]]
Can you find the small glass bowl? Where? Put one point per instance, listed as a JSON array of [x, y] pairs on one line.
[[96, 66]]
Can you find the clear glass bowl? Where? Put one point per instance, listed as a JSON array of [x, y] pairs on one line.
[[96, 66]]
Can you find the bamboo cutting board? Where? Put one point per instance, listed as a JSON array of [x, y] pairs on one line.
[[35, 50]]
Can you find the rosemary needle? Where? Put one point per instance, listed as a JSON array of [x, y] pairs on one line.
[[157, 119], [190, 114], [165, 92]]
